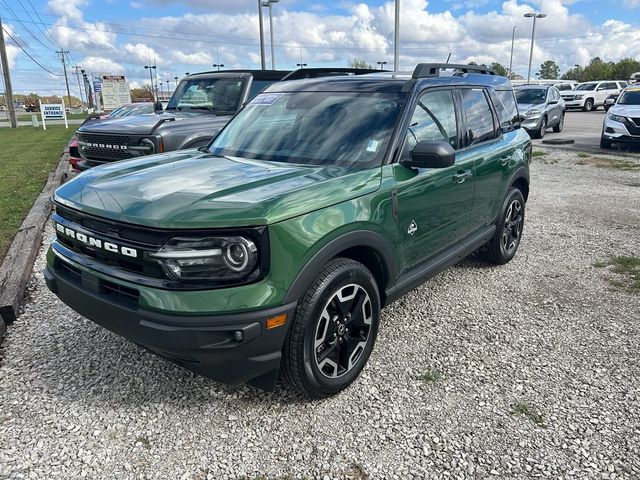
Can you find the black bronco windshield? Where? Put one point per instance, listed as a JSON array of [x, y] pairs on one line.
[[343, 129], [217, 95], [533, 96]]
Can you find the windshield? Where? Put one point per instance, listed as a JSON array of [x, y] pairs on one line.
[[319, 128], [131, 110], [630, 97], [219, 95], [587, 86], [534, 96]]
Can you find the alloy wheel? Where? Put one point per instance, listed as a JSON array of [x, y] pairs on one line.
[[512, 229], [343, 330]]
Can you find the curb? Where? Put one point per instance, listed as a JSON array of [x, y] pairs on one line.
[[17, 265]]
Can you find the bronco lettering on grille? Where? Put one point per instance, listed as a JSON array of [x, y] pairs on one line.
[[96, 242]]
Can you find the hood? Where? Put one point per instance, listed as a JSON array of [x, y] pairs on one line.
[[625, 110], [152, 123], [190, 189]]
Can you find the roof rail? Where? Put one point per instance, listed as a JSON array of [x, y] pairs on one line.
[[328, 72], [425, 70]]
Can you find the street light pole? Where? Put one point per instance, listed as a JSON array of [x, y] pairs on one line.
[[382, 64], [535, 16], [176, 79], [219, 65], [269, 3], [396, 38], [513, 37], [150, 68], [261, 35]]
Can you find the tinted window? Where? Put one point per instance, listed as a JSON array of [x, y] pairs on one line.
[[629, 97], [257, 86], [208, 94], [433, 119], [563, 86], [480, 127], [505, 103], [610, 86], [534, 96], [586, 86], [623, 84], [344, 129]]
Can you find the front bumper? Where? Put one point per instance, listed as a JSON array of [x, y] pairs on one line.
[[574, 103], [615, 131], [532, 124], [228, 348]]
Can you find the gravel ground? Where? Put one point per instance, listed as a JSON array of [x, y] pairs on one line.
[[530, 370]]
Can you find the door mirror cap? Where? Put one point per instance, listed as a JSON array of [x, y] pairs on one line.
[[553, 102], [431, 154], [157, 107]]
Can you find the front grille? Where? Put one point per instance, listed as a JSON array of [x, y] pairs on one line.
[[107, 148], [569, 98], [635, 120], [126, 294]]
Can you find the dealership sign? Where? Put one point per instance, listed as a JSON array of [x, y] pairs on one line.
[[52, 111], [115, 91]]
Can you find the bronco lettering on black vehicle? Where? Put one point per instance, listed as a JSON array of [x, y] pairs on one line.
[[272, 251]]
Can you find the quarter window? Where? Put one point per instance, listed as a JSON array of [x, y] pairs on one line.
[[505, 103], [433, 119], [480, 127]]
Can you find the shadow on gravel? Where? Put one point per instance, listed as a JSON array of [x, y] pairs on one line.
[[82, 362]]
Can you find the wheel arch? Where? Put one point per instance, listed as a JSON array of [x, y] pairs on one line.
[[520, 180], [367, 247]]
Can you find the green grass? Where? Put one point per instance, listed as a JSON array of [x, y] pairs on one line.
[[429, 375], [583, 154], [538, 154], [523, 408], [613, 164], [628, 269], [27, 156]]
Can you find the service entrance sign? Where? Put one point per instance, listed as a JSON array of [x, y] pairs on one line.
[[53, 111], [115, 91]]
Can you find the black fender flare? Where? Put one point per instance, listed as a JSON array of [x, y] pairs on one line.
[[520, 173], [356, 238]]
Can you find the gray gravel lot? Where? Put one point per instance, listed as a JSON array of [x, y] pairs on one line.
[[532, 372]]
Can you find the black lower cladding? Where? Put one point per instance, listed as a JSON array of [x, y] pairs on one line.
[[228, 348]]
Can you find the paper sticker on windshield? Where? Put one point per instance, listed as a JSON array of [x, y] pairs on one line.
[[265, 99], [372, 146]]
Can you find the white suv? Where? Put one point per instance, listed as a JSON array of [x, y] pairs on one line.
[[590, 95]]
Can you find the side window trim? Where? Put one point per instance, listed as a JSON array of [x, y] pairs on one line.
[[496, 123]]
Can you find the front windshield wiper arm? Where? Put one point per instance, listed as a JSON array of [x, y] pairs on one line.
[[204, 107]]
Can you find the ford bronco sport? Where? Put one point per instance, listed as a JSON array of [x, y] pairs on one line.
[[273, 250]]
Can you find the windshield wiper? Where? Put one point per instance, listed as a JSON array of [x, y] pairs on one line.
[[204, 107]]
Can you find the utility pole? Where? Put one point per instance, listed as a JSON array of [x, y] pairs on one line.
[[8, 92], [396, 39], [262, 63], [62, 54], [513, 37], [77, 68]]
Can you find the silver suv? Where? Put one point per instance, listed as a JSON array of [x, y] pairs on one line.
[[542, 107]]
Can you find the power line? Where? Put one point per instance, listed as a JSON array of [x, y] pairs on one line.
[[54, 41], [23, 25], [29, 55]]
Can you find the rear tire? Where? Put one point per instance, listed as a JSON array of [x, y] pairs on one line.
[[504, 244], [334, 330]]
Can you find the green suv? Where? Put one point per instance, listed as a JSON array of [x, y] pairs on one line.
[[272, 251]]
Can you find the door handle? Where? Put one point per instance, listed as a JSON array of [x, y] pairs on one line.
[[462, 175], [504, 161]]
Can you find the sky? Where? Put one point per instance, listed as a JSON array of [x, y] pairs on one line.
[[121, 36]]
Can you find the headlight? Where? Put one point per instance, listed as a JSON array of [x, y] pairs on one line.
[[227, 259], [579, 97], [617, 118], [147, 147], [533, 111]]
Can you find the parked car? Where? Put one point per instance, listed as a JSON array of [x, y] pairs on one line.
[[199, 107], [542, 107], [635, 78], [590, 95], [622, 122], [273, 250], [610, 101]]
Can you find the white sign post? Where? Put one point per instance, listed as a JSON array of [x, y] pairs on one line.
[[53, 111]]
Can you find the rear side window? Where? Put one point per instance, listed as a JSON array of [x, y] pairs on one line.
[[480, 127], [257, 86], [507, 109]]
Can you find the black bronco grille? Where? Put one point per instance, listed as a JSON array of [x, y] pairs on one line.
[[101, 148]]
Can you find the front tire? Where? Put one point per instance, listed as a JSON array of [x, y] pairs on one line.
[[588, 105], [543, 128], [334, 330], [558, 128], [604, 143], [504, 244]]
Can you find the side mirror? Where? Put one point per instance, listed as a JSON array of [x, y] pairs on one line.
[[431, 154], [553, 101], [157, 107]]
